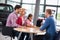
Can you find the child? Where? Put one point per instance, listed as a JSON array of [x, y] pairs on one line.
[[29, 22]]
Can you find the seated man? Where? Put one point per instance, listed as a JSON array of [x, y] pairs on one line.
[[49, 25], [11, 20]]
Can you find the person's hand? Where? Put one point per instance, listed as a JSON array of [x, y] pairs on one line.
[[19, 26], [34, 25]]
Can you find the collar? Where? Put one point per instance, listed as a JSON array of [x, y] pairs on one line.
[[15, 13], [50, 16]]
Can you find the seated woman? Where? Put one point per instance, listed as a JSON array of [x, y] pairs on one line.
[[21, 18], [29, 22], [21, 21]]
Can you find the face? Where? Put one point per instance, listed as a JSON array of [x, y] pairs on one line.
[[46, 14], [22, 12], [30, 18], [18, 10]]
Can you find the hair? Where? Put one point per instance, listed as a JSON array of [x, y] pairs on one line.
[[17, 7], [23, 9], [49, 11], [30, 15]]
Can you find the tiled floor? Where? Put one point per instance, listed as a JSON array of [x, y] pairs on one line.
[[5, 37]]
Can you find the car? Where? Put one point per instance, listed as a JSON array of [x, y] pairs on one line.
[[5, 10]]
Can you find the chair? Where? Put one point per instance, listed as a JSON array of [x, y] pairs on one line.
[[7, 31], [39, 21]]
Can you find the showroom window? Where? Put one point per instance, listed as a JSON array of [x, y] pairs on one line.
[[58, 14], [51, 2], [41, 1], [58, 17], [13, 2], [29, 1], [58, 2], [29, 8], [41, 8]]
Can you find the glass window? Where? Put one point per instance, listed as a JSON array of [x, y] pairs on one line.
[[16, 0], [41, 8], [51, 2], [58, 17], [29, 8], [58, 2], [13, 4], [6, 8], [41, 1], [29, 1], [2, 1], [41, 13]]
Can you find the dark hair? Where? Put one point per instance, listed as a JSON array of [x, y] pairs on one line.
[[49, 11], [30, 15], [17, 7]]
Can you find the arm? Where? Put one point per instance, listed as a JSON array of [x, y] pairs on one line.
[[28, 23], [13, 21], [45, 25]]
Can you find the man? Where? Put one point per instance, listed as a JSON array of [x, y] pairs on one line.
[[11, 21], [49, 25]]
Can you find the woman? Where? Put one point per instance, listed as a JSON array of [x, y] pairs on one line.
[[21, 18], [29, 22]]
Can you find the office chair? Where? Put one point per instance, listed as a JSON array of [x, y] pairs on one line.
[[7, 31], [39, 21]]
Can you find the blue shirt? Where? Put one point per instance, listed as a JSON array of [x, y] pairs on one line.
[[49, 25]]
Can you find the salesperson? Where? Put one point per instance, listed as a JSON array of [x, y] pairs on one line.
[[49, 25]]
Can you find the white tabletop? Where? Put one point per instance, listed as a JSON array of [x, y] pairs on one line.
[[35, 30]]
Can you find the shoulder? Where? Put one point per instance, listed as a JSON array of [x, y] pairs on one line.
[[47, 19], [11, 14], [27, 21]]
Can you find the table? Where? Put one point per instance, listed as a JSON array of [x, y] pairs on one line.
[[57, 28], [31, 30]]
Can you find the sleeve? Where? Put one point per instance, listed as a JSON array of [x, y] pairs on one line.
[[45, 25]]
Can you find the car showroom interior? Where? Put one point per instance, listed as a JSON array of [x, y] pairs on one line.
[[29, 19]]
